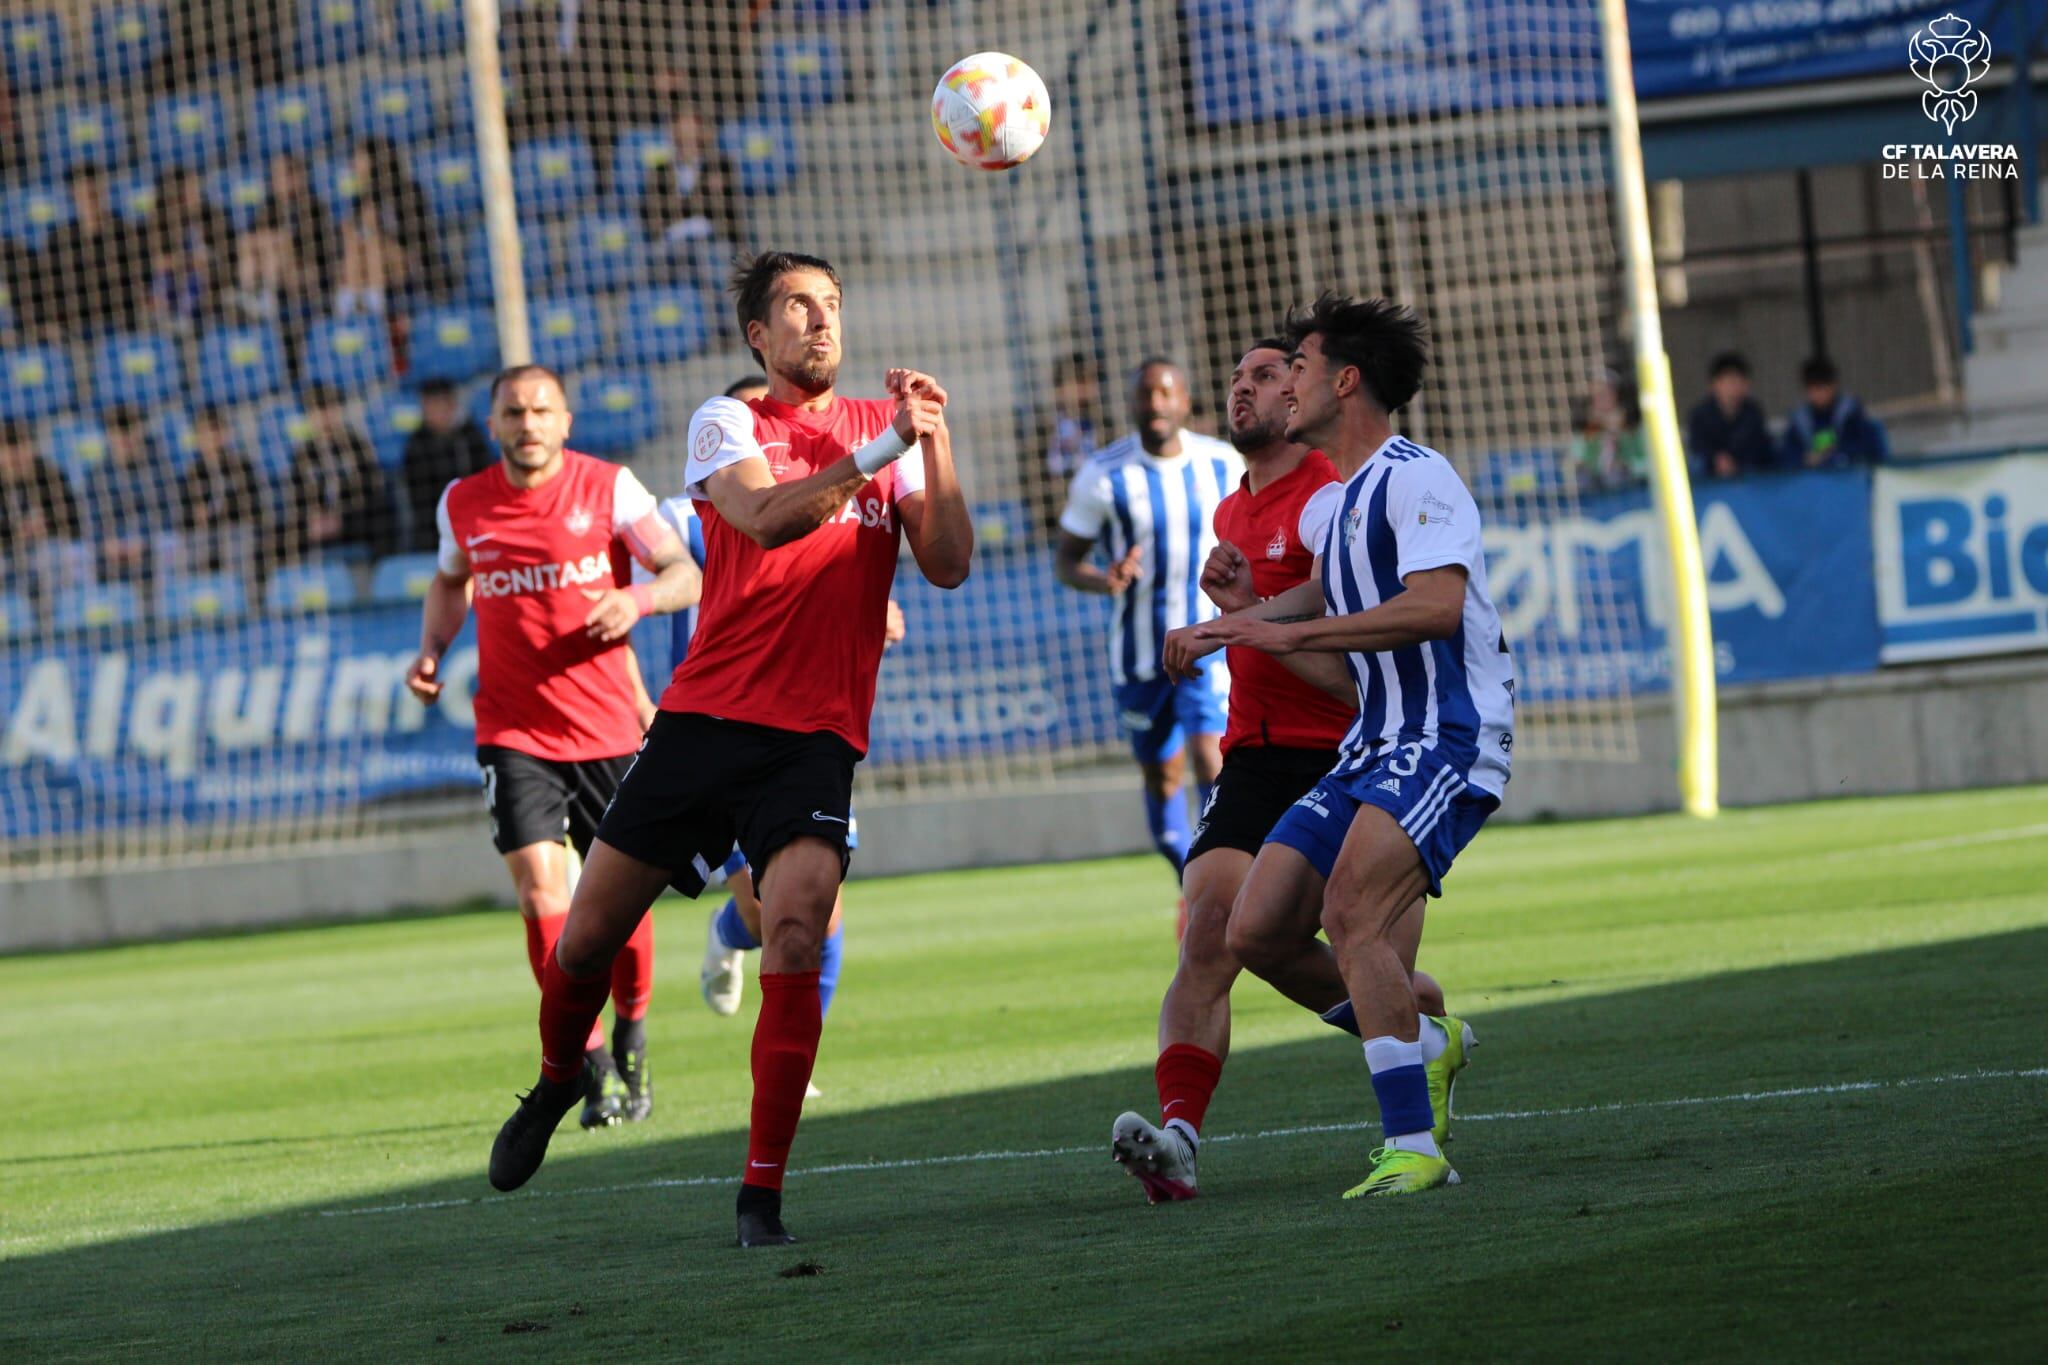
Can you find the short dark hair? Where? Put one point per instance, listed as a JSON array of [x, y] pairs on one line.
[[123, 417], [438, 388], [15, 432], [1279, 344], [1156, 361], [751, 381], [323, 395], [1728, 362], [210, 414], [526, 371], [1384, 340], [1819, 369], [753, 284]]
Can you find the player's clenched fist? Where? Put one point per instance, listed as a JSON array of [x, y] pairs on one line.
[[900, 382], [1182, 650], [614, 615], [1125, 571], [1227, 578], [424, 679]]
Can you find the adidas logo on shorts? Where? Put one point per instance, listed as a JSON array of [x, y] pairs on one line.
[[1391, 784]]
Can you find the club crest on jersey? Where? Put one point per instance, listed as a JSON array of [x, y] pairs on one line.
[[1276, 548], [709, 438], [1352, 521], [578, 520]]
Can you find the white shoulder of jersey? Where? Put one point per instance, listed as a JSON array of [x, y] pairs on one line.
[[1088, 498], [630, 500], [1316, 513], [679, 512], [448, 555], [1434, 519], [721, 434]]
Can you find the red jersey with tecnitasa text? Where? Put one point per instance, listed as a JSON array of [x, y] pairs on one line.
[[792, 637], [539, 558], [1268, 704]]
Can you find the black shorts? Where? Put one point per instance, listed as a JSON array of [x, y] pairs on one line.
[[700, 784], [1257, 785], [538, 800]]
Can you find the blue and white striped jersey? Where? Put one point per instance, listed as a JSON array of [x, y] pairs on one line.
[[681, 514], [1405, 511], [1124, 497]]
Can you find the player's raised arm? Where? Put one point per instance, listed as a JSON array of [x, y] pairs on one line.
[[935, 519], [727, 462], [442, 612]]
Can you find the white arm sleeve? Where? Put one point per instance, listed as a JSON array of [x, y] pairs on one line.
[[630, 501], [1436, 523], [1088, 504], [1316, 513], [909, 473], [451, 559], [721, 434]]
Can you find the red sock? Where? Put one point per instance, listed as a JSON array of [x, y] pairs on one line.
[[785, 1047], [569, 1007], [1187, 1077], [540, 946], [633, 972]]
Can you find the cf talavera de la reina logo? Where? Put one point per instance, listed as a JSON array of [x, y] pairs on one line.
[[1949, 56]]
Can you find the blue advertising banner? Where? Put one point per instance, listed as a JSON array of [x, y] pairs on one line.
[[1962, 557], [1698, 47]]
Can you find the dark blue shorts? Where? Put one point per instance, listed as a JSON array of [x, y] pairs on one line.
[[1157, 715], [1438, 811]]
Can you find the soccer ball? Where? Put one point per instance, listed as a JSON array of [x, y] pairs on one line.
[[990, 111]]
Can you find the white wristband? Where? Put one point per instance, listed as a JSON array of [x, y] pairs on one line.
[[878, 454]]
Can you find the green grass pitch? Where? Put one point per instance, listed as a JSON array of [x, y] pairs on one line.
[[1774, 1085]]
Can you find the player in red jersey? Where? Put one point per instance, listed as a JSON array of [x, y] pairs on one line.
[[802, 495], [558, 703], [1281, 739]]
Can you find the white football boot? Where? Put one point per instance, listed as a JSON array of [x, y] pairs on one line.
[[721, 977], [1163, 1159]]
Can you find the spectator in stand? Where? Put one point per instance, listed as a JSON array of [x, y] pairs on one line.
[[591, 68], [285, 268], [1725, 431], [38, 511], [335, 495], [92, 275], [690, 211], [1609, 452], [1830, 430], [388, 245], [448, 446], [1075, 432], [131, 499], [222, 500], [191, 251]]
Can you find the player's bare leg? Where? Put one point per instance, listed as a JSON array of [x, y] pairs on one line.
[[799, 889], [1273, 933], [540, 880], [612, 896]]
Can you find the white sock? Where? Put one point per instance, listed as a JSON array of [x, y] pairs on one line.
[[1186, 1130], [1424, 1143], [1435, 1038], [1386, 1053]]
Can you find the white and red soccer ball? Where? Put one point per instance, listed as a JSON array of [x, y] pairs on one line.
[[991, 111]]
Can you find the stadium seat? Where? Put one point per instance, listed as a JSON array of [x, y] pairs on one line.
[[29, 214], [803, 74], [133, 198], [661, 326], [634, 158], [35, 50], [310, 587], [191, 129], [616, 410], [239, 192], [352, 354], [762, 152], [281, 427], [141, 371], [172, 430], [289, 118], [39, 383], [336, 185], [17, 617], [428, 28], [83, 135], [606, 253], [239, 363], [1499, 480], [202, 597], [402, 578], [567, 333], [397, 107], [447, 172], [332, 31], [536, 257], [476, 401], [97, 604], [75, 445], [125, 40], [556, 177], [452, 343], [392, 418]]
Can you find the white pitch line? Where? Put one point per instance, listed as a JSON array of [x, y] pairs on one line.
[[1040, 1153], [1986, 836]]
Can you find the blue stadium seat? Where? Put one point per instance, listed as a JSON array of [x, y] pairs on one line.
[[447, 172], [333, 31], [141, 371], [281, 427], [202, 597], [616, 410], [762, 152], [402, 578], [566, 333], [240, 192], [556, 177], [172, 430], [35, 51], [101, 604], [125, 40], [536, 258], [75, 445], [452, 343], [83, 135], [336, 185], [17, 617], [661, 326], [29, 214], [239, 363], [133, 198], [427, 28], [476, 401], [310, 587], [398, 107], [289, 118], [393, 417], [634, 159], [803, 74], [191, 129], [352, 354], [606, 253], [38, 382]]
